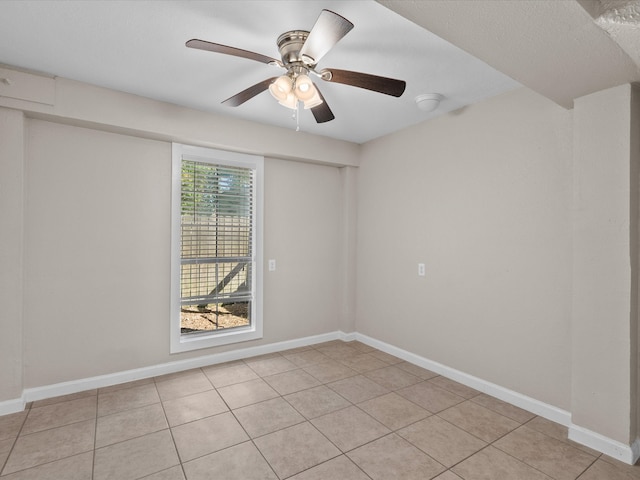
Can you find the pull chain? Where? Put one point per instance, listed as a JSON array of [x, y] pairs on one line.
[[297, 116]]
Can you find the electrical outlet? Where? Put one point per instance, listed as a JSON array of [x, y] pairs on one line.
[[272, 265], [421, 272]]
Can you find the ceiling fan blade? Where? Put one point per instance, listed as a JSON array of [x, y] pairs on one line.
[[327, 31], [388, 86], [237, 52], [239, 98], [322, 112]]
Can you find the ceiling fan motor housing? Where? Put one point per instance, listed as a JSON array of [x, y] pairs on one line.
[[289, 44]]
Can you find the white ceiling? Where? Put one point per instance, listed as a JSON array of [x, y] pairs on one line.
[[138, 47]]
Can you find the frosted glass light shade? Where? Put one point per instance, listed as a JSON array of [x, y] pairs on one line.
[[313, 101], [290, 101], [281, 88], [304, 89]]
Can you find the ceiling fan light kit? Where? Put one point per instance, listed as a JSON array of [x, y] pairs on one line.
[[301, 51]]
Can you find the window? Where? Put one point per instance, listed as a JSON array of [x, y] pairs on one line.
[[216, 248]]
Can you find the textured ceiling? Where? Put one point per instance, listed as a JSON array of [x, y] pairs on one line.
[[554, 47], [138, 47]]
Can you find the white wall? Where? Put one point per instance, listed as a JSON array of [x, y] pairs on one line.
[[97, 223], [604, 327], [483, 198], [11, 251]]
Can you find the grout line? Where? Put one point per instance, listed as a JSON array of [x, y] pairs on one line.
[[275, 355], [166, 419]]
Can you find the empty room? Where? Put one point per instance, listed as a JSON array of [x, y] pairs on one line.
[[308, 240]]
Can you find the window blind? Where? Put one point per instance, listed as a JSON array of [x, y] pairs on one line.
[[216, 254]]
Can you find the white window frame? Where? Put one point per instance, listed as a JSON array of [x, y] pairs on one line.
[[183, 343]]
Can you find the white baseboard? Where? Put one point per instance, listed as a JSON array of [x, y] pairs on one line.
[[527, 403], [14, 405], [65, 388], [625, 453]]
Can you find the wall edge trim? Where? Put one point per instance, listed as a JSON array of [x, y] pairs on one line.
[[532, 405], [14, 405], [628, 454], [75, 386]]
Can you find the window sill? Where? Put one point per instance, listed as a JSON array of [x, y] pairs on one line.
[[186, 343]]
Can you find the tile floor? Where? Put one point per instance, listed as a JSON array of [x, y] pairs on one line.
[[331, 411]]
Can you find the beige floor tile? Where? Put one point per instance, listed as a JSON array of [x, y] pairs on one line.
[[393, 457], [358, 389], [559, 432], [553, 457], [392, 377], [423, 373], [361, 347], [337, 468], [78, 467], [11, 424], [603, 470], [129, 424], [555, 430], [231, 363], [306, 358], [363, 362], [633, 470], [122, 386], [430, 396], [119, 400], [246, 393], [221, 377], [259, 358], [176, 375], [349, 428], [241, 462], [503, 408], [50, 445], [5, 448], [173, 473], [317, 401], [208, 435], [385, 357], [455, 387], [291, 381], [183, 386], [268, 416], [394, 411], [330, 371], [479, 421], [492, 464], [448, 475], [271, 366], [339, 351], [443, 441], [135, 458], [294, 449], [65, 398], [193, 407], [59, 414]]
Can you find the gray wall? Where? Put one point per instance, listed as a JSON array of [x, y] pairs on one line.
[[97, 252], [483, 198]]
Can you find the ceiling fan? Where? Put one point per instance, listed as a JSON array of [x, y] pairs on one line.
[[301, 51]]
